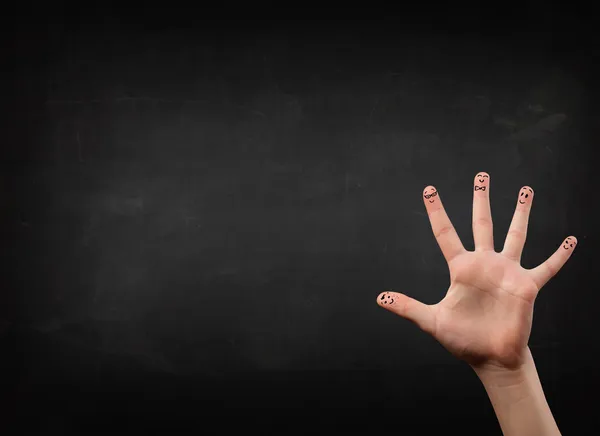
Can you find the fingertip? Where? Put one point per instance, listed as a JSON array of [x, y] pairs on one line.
[[568, 245], [430, 195], [525, 196], [385, 298]]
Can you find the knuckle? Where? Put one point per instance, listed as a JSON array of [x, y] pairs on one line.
[[551, 269], [516, 232], [444, 230], [484, 222], [511, 255]]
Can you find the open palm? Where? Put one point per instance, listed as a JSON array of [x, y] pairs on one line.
[[485, 317]]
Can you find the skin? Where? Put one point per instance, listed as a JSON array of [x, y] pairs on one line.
[[485, 317], [525, 196], [482, 180], [569, 243], [482, 215], [429, 194]]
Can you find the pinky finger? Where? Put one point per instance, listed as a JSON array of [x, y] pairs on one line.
[[544, 272]]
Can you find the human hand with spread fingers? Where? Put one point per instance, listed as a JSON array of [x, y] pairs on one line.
[[485, 317]]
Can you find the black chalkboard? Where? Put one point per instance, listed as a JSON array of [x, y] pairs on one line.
[[198, 218]]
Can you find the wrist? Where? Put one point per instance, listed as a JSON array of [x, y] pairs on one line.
[[518, 398], [501, 378]]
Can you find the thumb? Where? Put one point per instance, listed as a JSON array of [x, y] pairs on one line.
[[409, 308]]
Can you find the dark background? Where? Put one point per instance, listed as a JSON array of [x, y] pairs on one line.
[[198, 213]]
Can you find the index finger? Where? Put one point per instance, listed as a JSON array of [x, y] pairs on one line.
[[442, 227]]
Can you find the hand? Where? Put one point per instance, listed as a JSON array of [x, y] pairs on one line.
[[485, 317]]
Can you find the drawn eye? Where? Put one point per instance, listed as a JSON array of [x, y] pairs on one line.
[[526, 195], [571, 245]]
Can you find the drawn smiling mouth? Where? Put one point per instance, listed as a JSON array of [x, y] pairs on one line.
[[566, 248], [385, 299], [431, 201], [522, 202]]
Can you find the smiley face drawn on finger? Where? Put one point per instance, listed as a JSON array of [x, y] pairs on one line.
[[482, 182], [430, 194], [569, 243], [386, 299], [525, 195]]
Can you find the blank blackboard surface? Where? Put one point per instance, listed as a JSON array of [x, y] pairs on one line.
[[198, 218]]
